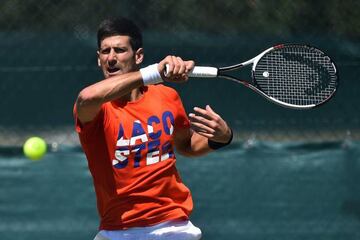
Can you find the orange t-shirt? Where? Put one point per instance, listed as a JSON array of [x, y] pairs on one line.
[[130, 154]]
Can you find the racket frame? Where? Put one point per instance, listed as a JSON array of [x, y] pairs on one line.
[[211, 72]]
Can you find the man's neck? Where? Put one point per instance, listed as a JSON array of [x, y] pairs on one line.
[[134, 95]]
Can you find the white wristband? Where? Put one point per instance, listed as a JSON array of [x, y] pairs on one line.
[[151, 75]]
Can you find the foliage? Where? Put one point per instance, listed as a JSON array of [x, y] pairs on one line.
[[285, 17]]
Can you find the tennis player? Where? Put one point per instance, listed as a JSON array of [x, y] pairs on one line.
[[129, 126]]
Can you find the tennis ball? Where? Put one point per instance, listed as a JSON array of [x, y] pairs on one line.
[[35, 148]]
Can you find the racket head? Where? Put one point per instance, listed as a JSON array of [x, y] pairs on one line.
[[295, 76]]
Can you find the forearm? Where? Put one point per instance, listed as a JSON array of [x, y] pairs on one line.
[[199, 145], [196, 146], [110, 89], [91, 98]]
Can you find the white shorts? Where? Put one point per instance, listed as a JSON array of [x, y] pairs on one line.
[[170, 230]]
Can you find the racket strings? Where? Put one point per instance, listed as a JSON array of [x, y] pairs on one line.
[[296, 75]]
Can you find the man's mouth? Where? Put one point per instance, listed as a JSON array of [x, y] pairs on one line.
[[113, 70]]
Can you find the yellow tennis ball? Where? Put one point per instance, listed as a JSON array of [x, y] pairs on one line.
[[35, 148]]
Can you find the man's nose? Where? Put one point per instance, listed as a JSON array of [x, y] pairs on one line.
[[112, 55], [112, 58]]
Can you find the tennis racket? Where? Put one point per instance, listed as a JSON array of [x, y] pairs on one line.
[[291, 75]]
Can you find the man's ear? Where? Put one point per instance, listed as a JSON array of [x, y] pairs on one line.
[[98, 59], [139, 56]]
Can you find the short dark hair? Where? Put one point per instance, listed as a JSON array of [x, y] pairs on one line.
[[120, 26]]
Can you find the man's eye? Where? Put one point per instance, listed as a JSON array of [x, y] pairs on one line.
[[105, 51], [119, 50]]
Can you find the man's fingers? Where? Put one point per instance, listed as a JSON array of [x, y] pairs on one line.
[[211, 110], [202, 132], [201, 127], [209, 123], [177, 64], [205, 134], [189, 66], [175, 69], [202, 112], [182, 66], [199, 118], [207, 113]]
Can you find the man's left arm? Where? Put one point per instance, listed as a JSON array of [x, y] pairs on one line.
[[208, 132]]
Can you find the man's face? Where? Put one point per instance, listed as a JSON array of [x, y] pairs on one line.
[[116, 56]]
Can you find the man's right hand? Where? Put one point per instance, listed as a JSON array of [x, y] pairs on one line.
[[175, 69]]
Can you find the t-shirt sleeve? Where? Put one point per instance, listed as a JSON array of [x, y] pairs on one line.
[[181, 119], [89, 129]]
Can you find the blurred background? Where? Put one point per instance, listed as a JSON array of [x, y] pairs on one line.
[[290, 174]]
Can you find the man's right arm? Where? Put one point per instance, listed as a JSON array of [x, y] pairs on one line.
[[90, 99]]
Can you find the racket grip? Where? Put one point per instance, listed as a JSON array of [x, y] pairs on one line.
[[200, 72], [204, 72]]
